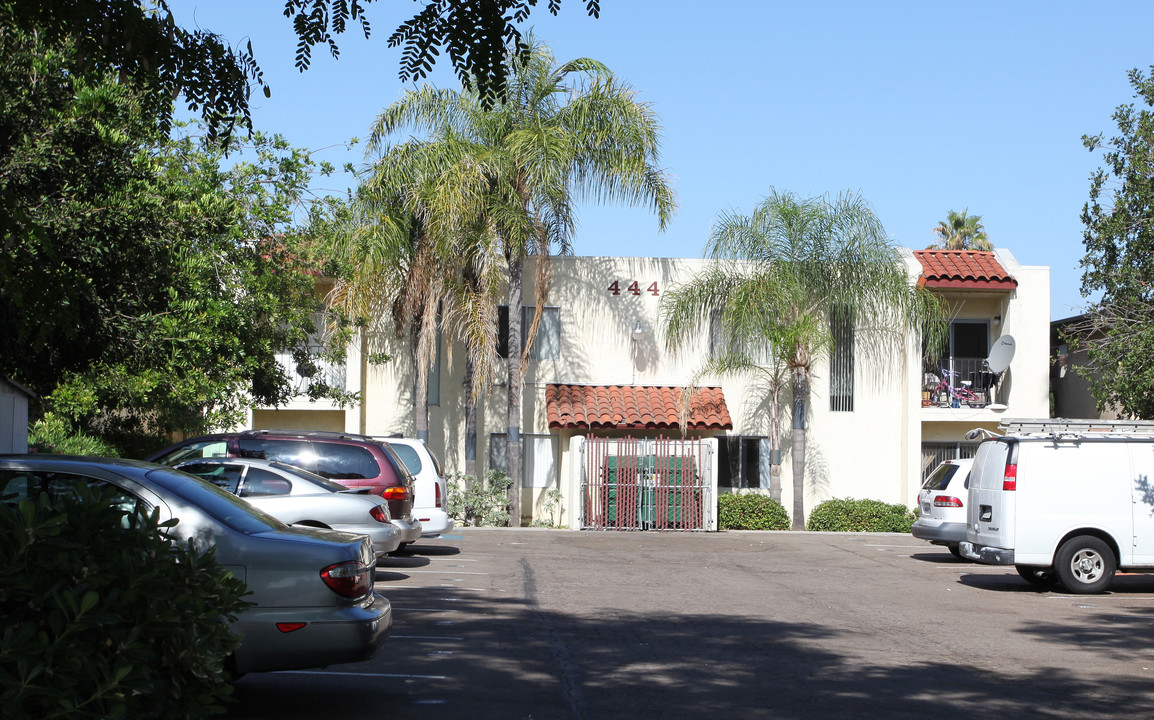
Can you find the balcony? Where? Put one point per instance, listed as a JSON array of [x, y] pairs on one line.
[[304, 377], [967, 385]]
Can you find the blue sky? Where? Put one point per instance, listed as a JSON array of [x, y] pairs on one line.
[[922, 107]]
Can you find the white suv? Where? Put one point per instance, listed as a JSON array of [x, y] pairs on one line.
[[429, 486]]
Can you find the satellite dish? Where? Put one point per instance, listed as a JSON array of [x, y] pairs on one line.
[[1001, 355]]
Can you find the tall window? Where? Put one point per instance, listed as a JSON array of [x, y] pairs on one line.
[[841, 362], [547, 344]]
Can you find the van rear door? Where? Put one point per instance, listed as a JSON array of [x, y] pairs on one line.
[[992, 497], [1142, 486]]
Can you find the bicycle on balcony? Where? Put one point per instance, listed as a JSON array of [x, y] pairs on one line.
[[946, 395]]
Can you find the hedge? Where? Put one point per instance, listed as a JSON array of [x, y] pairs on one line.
[[850, 515], [750, 511]]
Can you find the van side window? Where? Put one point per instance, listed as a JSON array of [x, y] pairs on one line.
[[345, 462], [409, 456], [292, 452]]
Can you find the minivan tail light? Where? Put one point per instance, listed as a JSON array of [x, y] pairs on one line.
[[1010, 479], [440, 502], [380, 513], [395, 493], [947, 501], [348, 579]]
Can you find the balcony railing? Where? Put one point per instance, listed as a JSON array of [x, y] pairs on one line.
[[961, 374], [302, 378]]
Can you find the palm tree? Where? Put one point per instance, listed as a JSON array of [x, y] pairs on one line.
[[782, 272], [403, 268], [961, 231], [511, 172]]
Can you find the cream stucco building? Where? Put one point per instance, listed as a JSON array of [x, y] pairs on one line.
[[872, 432]]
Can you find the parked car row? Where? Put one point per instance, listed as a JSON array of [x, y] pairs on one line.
[[312, 588], [301, 517], [1065, 502]]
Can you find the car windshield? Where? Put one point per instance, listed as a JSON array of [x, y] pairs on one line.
[[323, 483], [940, 478], [218, 503]]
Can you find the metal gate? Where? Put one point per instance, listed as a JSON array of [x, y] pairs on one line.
[[646, 484]]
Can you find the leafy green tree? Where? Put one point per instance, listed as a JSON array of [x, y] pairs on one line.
[[1118, 332], [143, 284], [141, 40], [514, 168], [961, 231], [783, 274]]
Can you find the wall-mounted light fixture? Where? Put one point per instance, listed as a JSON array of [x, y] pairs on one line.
[[997, 320], [638, 330]]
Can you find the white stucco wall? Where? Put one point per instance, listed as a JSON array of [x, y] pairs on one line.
[[872, 452]]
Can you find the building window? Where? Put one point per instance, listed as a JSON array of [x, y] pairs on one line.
[[547, 344], [538, 458], [743, 462], [841, 362], [498, 452]]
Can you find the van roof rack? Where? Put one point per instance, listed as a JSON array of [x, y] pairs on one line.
[[1065, 427]]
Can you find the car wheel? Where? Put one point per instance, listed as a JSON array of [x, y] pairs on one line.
[[956, 552], [1085, 565], [1042, 577]]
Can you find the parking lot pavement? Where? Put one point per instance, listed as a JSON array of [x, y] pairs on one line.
[[508, 623]]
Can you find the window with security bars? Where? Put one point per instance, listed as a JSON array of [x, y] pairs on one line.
[[841, 362]]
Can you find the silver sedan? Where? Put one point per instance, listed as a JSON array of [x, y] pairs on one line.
[[312, 589], [300, 498]]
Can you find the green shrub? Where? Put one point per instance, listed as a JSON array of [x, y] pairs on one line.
[[480, 502], [106, 617], [849, 515], [750, 511], [54, 434]]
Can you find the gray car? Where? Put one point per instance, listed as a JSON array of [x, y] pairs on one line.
[[313, 589], [297, 497]]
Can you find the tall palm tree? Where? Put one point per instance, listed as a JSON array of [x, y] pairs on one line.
[[961, 231], [512, 172], [404, 268], [782, 272]]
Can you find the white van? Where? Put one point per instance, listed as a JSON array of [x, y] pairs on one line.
[[1067, 501]]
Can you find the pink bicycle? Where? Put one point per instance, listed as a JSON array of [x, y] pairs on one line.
[[946, 395]]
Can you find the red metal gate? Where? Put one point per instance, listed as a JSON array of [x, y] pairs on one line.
[[646, 484]]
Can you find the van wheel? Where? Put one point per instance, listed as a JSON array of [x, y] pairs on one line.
[[1042, 577], [956, 552], [1085, 565]]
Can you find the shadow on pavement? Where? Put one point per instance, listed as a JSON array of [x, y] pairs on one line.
[[510, 659]]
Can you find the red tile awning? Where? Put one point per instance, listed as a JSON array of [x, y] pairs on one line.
[[634, 407], [963, 269]]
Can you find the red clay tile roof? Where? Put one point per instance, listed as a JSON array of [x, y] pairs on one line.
[[966, 269], [633, 407]]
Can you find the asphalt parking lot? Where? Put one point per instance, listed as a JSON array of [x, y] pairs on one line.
[[545, 624]]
